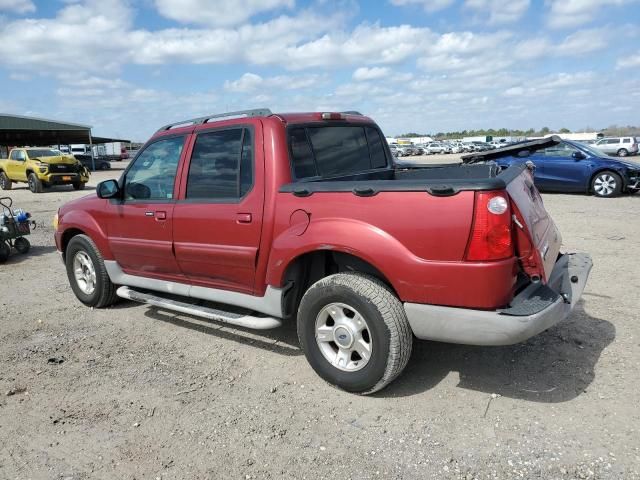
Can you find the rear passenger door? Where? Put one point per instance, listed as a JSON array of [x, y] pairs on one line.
[[218, 219]]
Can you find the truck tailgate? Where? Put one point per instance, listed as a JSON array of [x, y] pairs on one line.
[[542, 230]]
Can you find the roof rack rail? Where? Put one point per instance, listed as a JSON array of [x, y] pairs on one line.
[[256, 112], [352, 112]]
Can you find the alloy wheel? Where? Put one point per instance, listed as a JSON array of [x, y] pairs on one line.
[[85, 272], [344, 337], [604, 185]]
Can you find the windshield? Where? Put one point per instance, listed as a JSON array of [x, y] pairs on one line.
[[43, 152], [592, 150]]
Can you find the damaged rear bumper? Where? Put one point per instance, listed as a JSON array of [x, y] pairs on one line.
[[532, 311]]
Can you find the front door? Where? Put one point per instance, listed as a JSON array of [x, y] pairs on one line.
[[15, 166], [561, 171], [218, 220], [140, 227]]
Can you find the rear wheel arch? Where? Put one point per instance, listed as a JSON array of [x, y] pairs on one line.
[[307, 268]]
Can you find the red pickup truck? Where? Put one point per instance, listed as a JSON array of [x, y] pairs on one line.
[[253, 218]]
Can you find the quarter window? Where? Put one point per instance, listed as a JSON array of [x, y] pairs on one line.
[[153, 174], [221, 165]]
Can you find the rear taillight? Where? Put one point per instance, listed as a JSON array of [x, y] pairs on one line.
[[491, 236]]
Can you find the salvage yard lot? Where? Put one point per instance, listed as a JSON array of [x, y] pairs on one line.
[[134, 392]]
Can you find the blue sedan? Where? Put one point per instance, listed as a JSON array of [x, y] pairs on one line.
[[575, 167]]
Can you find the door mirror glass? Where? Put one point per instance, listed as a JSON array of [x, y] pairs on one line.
[[578, 155], [108, 189]]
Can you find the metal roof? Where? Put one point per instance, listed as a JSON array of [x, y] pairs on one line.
[[19, 122], [18, 130]]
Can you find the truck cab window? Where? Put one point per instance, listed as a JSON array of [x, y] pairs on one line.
[[153, 174], [329, 151], [221, 165]]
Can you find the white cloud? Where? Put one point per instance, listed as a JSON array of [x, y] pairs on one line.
[[428, 5], [375, 73], [630, 61], [217, 12], [17, 6], [250, 82], [572, 13], [584, 41], [500, 11]]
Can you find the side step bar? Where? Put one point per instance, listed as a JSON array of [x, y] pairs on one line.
[[240, 320]]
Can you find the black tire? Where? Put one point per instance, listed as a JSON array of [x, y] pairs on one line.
[[5, 251], [35, 185], [79, 186], [104, 293], [388, 330], [22, 245], [623, 152], [606, 184], [5, 182]]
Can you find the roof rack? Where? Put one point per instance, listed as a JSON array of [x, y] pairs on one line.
[[257, 112], [352, 112]]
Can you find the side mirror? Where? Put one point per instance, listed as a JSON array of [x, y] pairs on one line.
[[578, 156], [108, 189]]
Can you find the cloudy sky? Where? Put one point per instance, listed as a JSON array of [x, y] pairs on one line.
[[129, 66]]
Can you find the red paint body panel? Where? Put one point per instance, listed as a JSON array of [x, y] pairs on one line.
[[416, 240]]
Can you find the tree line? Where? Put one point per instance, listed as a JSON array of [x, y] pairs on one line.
[[610, 131]]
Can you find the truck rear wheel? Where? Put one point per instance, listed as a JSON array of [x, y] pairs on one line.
[[35, 185], [5, 182], [87, 274], [354, 332], [78, 185]]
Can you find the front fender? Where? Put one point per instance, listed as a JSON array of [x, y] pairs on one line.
[[86, 223]]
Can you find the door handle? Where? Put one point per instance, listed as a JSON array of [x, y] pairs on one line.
[[243, 218]]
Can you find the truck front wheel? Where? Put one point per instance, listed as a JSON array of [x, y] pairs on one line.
[[5, 182], [354, 332], [35, 185], [87, 274]]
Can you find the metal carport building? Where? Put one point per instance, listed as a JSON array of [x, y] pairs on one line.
[[17, 131]]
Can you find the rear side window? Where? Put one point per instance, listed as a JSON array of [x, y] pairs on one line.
[[335, 150], [221, 165], [626, 140]]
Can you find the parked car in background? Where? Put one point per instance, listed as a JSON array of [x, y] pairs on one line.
[[575, 167], [101, 163], [620, 146], [433, 148]]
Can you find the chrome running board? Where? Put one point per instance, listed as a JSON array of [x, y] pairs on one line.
[[270, 304], [240, 320]]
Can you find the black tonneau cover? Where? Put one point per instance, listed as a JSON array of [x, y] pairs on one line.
[[520, 149]]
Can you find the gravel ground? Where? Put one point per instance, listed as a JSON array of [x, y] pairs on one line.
[[131, 392]]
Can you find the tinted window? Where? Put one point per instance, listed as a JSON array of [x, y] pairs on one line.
[[613, 141], [303, 164], [626, 140], [221, 165], [153, 174], [376, 148]]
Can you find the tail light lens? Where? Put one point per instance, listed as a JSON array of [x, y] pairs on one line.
[[491, 236]]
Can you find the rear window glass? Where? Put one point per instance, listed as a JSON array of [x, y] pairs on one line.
[[331, 151]]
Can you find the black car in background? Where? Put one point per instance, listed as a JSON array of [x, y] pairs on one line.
[[102, 163]]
